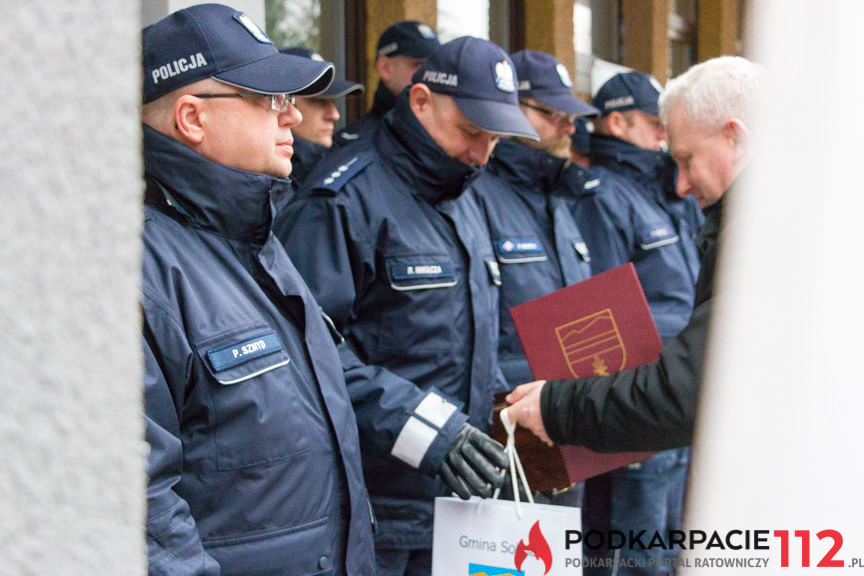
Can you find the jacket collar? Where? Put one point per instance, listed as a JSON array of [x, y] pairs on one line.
[[608, 150], [384, 100], [657, 170], [306, 156], [232, 202], [409, 150], [530, 168]]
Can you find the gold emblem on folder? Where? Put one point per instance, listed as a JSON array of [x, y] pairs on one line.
[[592, 345]]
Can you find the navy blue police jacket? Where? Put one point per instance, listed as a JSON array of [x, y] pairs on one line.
[[536, 241], [634, 215], [402, 262], [362, 128], [254, 465]]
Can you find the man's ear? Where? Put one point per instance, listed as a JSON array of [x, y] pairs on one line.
[[384, 66], [616, 124], [420, 99], [738, 136], [189, 118]]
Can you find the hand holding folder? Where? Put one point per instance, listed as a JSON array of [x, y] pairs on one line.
[[596, 327]]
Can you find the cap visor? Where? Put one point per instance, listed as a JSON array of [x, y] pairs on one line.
[[281, 74], [565, 102], [496, 117], [652, 109], [342, 88]]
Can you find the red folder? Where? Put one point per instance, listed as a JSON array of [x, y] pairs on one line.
[[599, 326]]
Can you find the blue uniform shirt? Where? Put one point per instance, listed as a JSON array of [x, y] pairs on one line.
[[402, 262], [255, 463], [536, 240], [633, 215]]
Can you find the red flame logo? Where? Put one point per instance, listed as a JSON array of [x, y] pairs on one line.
[[537, 545]]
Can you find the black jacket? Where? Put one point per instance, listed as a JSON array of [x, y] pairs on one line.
[[653, 406]]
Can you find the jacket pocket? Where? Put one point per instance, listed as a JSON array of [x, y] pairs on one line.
[[252, 396], [296, 551], [419, 303]]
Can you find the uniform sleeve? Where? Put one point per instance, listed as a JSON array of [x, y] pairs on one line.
[[174, 547], [335, 255], [649, 408], [397, 418]]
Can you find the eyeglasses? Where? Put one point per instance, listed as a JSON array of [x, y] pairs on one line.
[[555, 116], [278, 102]]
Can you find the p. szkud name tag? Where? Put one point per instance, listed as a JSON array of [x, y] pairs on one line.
[[235, 354]]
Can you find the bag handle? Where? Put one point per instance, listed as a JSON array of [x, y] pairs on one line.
[[515, 464]]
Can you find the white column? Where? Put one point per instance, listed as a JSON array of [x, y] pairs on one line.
[[72, 453], [779, 436]]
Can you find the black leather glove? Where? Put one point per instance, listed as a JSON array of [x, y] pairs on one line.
[[475, 464]]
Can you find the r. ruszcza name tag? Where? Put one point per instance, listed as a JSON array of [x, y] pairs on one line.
[[236, 354], [443, 270]]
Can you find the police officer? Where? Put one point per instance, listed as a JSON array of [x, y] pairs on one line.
[[314, 135], [636, 216], [402, 48], [254, 464], [401, 260], [537, 243]]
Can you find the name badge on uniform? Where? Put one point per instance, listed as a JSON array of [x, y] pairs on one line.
[[421, 275], [227, 357], [519, 250], [656, 237]]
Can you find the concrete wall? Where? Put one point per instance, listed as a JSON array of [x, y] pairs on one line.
[[72, 455]]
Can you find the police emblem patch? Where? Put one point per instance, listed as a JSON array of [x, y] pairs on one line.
[[564, 75], [426, 31], [252, 28], [504, 78]]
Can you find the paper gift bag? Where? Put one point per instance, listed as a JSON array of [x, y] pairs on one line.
[[501, 538], [487, 537]]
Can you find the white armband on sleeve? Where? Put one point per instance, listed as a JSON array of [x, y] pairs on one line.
[[420, 430]]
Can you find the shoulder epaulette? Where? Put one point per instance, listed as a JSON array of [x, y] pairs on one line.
[[335, 179]]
